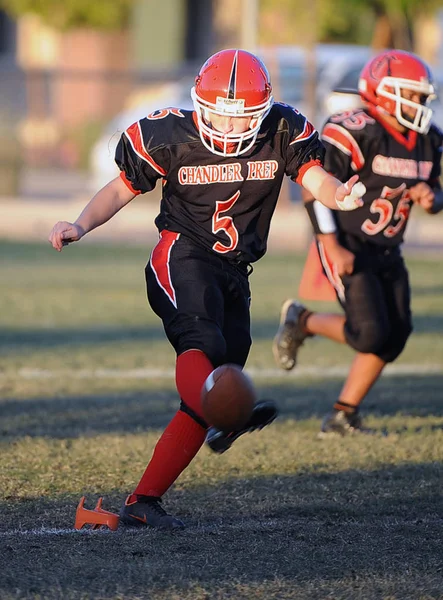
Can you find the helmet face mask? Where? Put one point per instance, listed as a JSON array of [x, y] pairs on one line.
[[231, 83], [384, 80], [392, 88]]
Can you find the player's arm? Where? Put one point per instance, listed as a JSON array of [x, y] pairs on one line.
[[103, 206], [430, 199], [429, 195], [139, 173], [305, 156], [331, 192], [437, 204], [325, 230]]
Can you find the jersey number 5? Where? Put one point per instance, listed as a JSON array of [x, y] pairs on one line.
[[225, 223], [384, 208]]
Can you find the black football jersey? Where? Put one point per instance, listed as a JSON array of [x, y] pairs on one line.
[[223, 203], [388, 164]]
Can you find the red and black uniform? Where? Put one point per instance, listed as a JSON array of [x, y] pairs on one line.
[[376, 297], [214, 220]]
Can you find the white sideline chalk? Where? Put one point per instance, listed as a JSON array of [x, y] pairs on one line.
[[254, 372]]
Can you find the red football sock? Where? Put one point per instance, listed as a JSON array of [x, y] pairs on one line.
[[183, 437], [191, 371], [175, 449]]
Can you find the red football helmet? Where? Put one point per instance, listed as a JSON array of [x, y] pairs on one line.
[[386, 75], [232, 83]]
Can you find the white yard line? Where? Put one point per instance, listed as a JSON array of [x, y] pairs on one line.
[[257, 373], [43, 531], [220, 526]]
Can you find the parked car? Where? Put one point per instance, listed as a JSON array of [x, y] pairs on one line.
[[344, 94]]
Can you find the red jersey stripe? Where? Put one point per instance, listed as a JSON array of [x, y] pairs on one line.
[[134, 135], [331, 272], [306, 167], [308, 131], [343, 140], [128, 183], [160, 262]]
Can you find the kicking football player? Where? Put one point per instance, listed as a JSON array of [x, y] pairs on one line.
[[221, 168], [393, 147]]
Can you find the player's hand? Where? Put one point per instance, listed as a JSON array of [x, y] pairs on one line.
[[342, 259], [348, 196], [423, 195], [63, 233]]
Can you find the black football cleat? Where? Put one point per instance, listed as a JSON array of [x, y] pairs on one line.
[[139, 511], [263, 413], [290, 334], [340, 423]]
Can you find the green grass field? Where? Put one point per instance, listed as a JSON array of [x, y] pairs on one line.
[[87, 385]]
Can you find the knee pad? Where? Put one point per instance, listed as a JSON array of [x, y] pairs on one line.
[[392, 350], [369, 339], [194, 333]]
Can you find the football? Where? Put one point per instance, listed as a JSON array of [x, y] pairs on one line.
[[227, 398]]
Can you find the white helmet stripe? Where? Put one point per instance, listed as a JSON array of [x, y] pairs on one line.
[[233, 79]]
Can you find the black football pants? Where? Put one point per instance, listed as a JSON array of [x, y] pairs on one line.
[[377, 301], [202, 298]]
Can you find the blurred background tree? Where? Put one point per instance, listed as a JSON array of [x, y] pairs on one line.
[[75, 64], [69, 14], [379, 23]]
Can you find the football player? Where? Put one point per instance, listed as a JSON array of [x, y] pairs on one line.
[[396, 151], [221, 168]]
